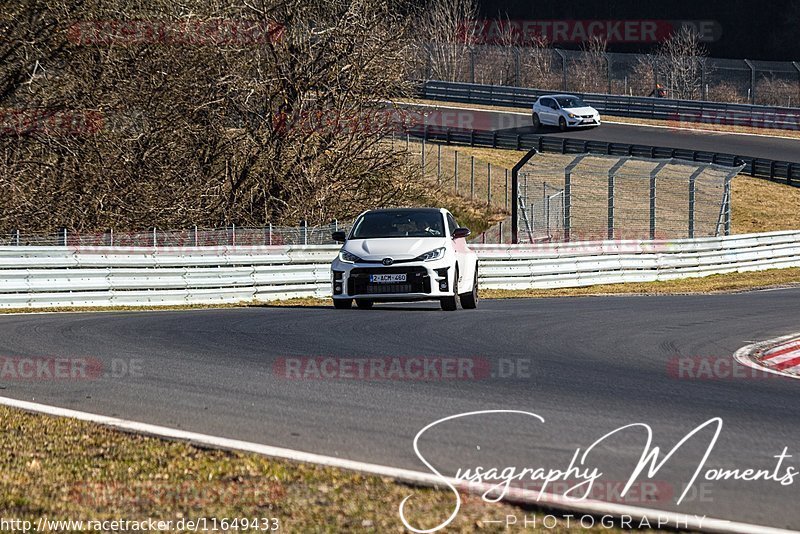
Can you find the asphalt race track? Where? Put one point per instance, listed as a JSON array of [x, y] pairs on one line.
[[593, 365], [760, 146]]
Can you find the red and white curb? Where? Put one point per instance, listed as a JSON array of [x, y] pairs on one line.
[[780, 356]]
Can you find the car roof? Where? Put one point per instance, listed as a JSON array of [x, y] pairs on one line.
[[559, 96], [403, 210]]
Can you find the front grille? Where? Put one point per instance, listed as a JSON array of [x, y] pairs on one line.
[[378, 289], [394, 262], [417, 281]]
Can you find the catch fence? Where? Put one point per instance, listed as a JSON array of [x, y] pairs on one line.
[[586, 198], [192, 237]]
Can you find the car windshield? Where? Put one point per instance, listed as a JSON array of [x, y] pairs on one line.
[[400, 223], [570, 102]]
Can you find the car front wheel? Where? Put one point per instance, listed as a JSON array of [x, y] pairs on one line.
[[562, 124], [537, 122], [451, 303], [364, 304], [469, 301]]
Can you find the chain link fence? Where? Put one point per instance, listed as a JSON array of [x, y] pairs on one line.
[[466, 176], [193, 237], [743, 81], [460, 173], [589, 198]]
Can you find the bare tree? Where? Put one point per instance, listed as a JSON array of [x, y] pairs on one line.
[[500, 64], [681, 61], [591, 68], [643, 76], [447, 34], [538, 65]]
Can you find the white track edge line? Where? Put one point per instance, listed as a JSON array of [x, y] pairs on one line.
[[592, 507], [743, 355], [661, 126]]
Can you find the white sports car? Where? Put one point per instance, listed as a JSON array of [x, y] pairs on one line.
[[405, 254], [564, 111]]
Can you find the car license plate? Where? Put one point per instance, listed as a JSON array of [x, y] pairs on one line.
[[387, 278]]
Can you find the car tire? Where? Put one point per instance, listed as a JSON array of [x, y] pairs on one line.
[[537, 122], [562, 124], [342, 304], [364, 304], [469, 301], [451, 303]]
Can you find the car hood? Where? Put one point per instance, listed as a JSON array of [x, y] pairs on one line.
[[581, 111], [397, 248]]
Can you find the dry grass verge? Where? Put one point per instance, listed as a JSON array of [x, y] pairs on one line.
[[763, 206], [65, 469], [719, 283]]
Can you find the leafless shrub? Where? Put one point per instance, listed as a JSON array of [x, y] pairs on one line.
[[726, 92], [773, 91]]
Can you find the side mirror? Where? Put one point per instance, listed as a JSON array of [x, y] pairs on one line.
[[339, 237], [461, 233]]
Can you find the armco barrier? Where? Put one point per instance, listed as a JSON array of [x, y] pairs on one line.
[[622, 106], [109, 276], [38, 277]]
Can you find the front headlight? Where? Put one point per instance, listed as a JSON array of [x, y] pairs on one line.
[[347, 257], [572, 115], [436, 254]]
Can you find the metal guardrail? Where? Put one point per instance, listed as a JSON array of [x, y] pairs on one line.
[[622, 106], [777, 171], [610, 262], [39, 277], [34, 277]]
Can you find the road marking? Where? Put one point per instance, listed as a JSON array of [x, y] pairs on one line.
[[406, 475], [661, 126]]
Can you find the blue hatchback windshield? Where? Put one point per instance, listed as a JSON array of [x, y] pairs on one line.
[[400, 223]]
